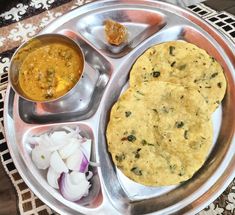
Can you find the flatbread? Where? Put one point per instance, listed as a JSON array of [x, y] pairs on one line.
[[185, 64], [159, 133]]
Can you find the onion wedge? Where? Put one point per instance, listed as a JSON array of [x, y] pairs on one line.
[[70, 148], [57, 163], [46, 142], [86, 148], [73, 186], [52, 178], [41, 157], [77, 161]]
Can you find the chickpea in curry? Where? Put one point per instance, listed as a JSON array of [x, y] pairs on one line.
[[50, 71]]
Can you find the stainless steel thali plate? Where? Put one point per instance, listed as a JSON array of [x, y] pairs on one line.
[[107, 69]]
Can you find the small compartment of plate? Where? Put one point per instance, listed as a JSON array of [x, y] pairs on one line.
[[95, 197], [97, 72], [140, 25]]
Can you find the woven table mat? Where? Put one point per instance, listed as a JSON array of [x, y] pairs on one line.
[[26, 19]]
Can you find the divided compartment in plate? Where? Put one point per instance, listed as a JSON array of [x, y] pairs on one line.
[[159, 198], [95, 198], [90, 88], [140, 25]]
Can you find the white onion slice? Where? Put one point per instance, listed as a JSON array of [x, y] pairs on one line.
[[52, 178], [70, 148], [73, 186], [41, 157], [86, 148], [57, 163], [77, 177], [77, 161], [52, 145], [32, 140], [38, 140], [89, 176], [59, 138], [74, 133], [47, 143]]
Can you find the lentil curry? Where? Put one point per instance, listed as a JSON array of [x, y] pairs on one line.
[[50, 71]]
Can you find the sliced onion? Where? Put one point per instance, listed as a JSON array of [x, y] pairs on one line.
[[86, 148], [52, 178], [57, 163], [33, 140], [41, 157], [47, 143], [77, 177], [62, 151], [89, 176], [59, 138], [73, 186], [41, 141], [51, 144], [74, 133], [70, 148], [77, 161]]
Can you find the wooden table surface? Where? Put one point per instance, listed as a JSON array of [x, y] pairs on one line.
[[8, 199]]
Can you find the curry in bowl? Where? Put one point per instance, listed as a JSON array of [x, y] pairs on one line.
[[48, 70]]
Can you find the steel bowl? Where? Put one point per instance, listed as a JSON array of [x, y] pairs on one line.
[[66, 102]]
